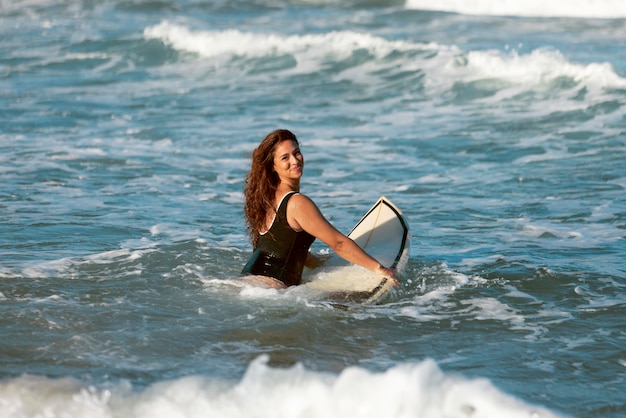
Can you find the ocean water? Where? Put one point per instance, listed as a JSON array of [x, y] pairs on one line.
[[126, 129]]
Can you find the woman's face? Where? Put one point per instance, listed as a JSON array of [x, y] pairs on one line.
[[288, 160]]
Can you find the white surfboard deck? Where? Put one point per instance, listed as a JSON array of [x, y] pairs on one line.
[[384, 234]]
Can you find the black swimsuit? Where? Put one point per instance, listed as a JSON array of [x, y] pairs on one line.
[[281, 252]]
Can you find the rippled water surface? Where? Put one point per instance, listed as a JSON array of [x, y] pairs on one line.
[[126, 129]]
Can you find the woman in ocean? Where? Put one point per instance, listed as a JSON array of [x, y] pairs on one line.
[[283, 223]]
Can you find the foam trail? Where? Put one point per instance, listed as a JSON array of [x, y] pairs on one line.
[[602, 9]]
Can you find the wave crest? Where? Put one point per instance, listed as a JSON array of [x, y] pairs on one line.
[[603, 9]]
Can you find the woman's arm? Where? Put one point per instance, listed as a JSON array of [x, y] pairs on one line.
[[303, 214]]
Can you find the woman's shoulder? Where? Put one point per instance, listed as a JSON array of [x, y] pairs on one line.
[[302, 204], [300, 198]]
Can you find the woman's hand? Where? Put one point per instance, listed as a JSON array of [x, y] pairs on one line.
[[388, 273]]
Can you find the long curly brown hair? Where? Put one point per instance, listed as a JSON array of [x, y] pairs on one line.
[[262, 183]]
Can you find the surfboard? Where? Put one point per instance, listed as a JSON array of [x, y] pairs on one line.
[[384, 234]]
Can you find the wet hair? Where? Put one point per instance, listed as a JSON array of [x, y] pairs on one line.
[[262, 183]]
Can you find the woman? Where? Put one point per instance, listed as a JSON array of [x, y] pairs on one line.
[[282, 223]]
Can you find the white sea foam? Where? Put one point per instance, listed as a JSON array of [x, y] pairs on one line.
[[233, 42], [609, 9], [311, 52], [509, 74], [492, 309], [438, 283], [540, 66], [410, 389]]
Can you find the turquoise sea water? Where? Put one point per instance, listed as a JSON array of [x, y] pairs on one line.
[[126, 129]]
